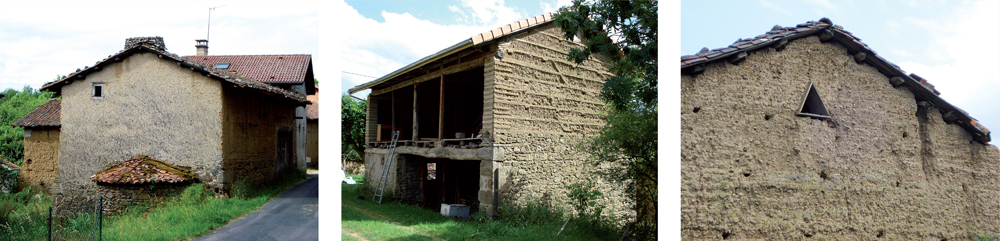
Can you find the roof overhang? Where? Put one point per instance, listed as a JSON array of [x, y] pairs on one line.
[[464, 44]]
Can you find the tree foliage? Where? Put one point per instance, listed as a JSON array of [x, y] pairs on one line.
[[13, 106], [352, 117], [626, 33]]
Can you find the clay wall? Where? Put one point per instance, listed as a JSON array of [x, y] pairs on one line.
[[151, 106], [538, 106], [257, 135], [881, 167], [312, 143], [41, 159]]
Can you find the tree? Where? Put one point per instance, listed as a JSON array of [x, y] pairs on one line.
[[352, 117], [13, 106], [625, 32]]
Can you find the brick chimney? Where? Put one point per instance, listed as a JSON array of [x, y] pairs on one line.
[[202, 46], [151, 42]]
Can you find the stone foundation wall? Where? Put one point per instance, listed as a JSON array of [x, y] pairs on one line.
[[881, 167]]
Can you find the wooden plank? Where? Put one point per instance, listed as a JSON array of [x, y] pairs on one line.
[[441, 110], [416, 121], [444, 71]]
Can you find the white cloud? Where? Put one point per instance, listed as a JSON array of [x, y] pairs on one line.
[[492, 12], [963, 59], [54, 39]]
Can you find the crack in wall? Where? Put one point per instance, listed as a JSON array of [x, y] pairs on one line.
[[926, 154]]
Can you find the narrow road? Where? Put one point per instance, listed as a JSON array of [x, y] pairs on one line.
[[293, 215]]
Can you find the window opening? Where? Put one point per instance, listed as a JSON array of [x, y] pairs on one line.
[[812, 105], [222, 65], [98, 93]]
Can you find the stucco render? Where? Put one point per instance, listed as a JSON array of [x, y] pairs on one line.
[[41, 159], [880, 167], [151, 106], [251, 125]]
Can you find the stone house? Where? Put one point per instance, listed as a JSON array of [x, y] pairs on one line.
[[494, 118], [218, 124], [805, 132]]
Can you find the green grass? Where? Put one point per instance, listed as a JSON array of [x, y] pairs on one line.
[[193, 212], [523, 223]]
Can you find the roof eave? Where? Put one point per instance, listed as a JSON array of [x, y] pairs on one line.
[[464, 44]]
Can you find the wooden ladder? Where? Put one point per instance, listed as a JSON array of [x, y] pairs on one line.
[[380, 188]]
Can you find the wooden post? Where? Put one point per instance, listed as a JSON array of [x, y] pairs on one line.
[[416, 120], [392, 128], [441, 111]]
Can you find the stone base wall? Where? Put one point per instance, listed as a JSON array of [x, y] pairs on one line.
[[117, 198]]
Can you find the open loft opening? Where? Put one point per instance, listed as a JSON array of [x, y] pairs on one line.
[[445, 107]]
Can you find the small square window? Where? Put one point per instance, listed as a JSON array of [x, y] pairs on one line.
[[98, 92]]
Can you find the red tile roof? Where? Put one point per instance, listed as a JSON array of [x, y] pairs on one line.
[[271, 69], [312, 110], [46, 115], [779, 37], [236, 79], [143, 169], [511, 28]]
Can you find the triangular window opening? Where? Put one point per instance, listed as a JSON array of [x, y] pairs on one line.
[[812, 105]]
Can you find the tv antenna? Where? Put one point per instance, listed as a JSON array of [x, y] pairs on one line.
[[210, 21]]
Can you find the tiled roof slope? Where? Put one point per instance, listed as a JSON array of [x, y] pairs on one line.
[[143, 169], [271, 69], [779, 36], [510, 28], [231, 77], [46, 115], [312, 110]]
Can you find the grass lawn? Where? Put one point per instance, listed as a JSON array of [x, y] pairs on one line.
[[372, 221], [194, 212]]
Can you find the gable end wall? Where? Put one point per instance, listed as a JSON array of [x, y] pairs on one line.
[[879, 168], [541, 104]]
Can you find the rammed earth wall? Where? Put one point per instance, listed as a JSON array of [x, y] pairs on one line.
[[151, 106], [881, 167], [41, 159], [536, 106]]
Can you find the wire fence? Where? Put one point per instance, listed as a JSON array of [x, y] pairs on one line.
[[81, 221]]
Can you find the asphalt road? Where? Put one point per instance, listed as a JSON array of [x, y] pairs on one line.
[[293, 215]]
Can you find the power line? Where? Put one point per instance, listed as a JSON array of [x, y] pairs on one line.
[[359, 74]]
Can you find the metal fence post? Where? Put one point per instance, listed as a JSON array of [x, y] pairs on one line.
[[100, 220], [50, 223]]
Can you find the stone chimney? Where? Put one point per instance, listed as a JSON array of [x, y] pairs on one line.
[[202, 46], [150, 42]]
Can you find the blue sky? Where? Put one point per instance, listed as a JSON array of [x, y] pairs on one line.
[[384, 36], [953, 44]]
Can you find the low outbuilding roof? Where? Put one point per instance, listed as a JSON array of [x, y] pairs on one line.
[[46, 115], [142, 170], [779, 37]]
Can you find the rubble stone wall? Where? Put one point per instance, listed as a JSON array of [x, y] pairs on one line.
[[881, 167], [41, 159], [152, 107]]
